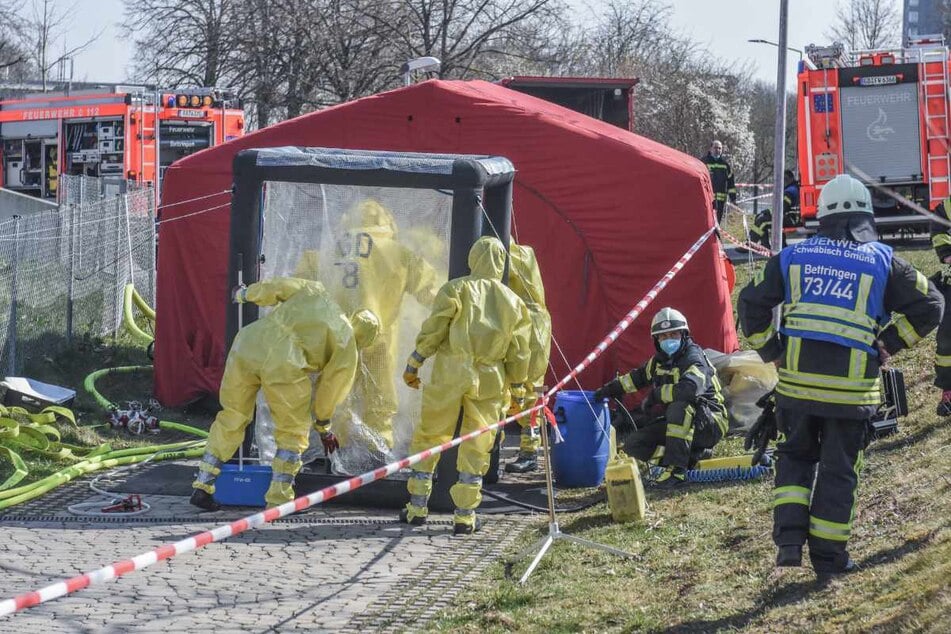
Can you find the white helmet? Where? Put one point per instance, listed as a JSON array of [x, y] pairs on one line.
[[842, 195], [668, 320]]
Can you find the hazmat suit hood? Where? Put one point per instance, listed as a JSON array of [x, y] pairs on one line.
[[858, 226], [487, 258], [371, 217]]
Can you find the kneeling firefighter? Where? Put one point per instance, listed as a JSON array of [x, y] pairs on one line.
[[684, 413], [479, 331], [848, 303], [306, 333]]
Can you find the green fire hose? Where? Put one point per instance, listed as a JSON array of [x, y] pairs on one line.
[[21, 431]]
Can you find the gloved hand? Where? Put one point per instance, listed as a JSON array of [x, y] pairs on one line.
[[327, 437], [239, 294], [613, 389], [411, 372], [763, 430], [733, 198]]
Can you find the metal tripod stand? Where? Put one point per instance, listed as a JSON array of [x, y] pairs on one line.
[[554, 531]]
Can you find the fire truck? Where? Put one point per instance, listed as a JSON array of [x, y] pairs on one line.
[[128, 133], [883, 117]]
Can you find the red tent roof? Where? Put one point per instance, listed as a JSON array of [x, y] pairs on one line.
[[608, 212]]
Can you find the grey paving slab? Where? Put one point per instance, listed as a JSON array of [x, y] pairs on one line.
[[325, 569]]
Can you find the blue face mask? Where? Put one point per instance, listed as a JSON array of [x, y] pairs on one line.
[[670, 346]]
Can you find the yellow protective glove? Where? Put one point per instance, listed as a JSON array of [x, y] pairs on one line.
[[411, 372]]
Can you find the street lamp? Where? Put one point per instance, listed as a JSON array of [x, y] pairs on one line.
[[760, 41]]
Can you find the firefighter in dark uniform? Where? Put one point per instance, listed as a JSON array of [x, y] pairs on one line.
[[684, 413], [848, 305], [721, 176], [763, 221], [941, 241]]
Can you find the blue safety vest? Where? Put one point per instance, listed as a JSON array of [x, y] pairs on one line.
[[835, 290]]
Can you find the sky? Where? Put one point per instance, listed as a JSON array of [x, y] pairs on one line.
[[722, 26]]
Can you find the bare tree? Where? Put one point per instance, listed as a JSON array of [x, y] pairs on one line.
[[44, 29], [459, 32], [183, 42], [629, 31], [350, 50], [867, 24], [12, 54], [761, 98]]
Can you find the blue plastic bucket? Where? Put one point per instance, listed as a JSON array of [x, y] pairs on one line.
[[580, 460], [242, 487]]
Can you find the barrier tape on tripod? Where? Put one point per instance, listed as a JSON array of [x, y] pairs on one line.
[[755, 248], [167, 551]]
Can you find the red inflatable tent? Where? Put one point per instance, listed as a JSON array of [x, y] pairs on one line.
[[608, 213]]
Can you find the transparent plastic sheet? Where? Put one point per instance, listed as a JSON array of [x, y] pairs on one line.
[[745, 379], [364, 257]]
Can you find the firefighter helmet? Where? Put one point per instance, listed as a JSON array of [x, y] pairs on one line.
[[668, 320], [842, 195]]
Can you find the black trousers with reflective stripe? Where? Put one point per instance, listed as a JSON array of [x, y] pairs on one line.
[[643, 442], [820, 454], [942, 373]]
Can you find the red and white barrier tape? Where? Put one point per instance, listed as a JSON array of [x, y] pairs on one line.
[[755, 248], [754, 184], [167, 551]]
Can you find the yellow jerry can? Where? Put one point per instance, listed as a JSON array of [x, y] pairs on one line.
[[622, 480]]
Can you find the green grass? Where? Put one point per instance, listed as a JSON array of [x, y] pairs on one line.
[[704, 557]]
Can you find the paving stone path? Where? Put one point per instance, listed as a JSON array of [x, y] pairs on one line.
[[326, 569]]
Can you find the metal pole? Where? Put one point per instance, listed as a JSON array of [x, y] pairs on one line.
[[70, 274], [117, 285], [153, 261], [12, 326], [779, 137]]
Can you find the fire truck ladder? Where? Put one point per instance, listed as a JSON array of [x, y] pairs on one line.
[[936, 92]]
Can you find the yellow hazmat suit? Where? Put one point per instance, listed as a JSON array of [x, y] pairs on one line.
[[525, 279], [373, 271], [479, 331], [306, 333]]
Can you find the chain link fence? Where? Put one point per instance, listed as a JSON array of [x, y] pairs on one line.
[[63, 272]]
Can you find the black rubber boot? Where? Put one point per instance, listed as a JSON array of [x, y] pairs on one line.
[[825, 576], [789, 556], [523, 463], [203, 500]]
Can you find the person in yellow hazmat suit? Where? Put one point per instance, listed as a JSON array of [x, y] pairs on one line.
[[305, 333], [374, 271], [525, 279], [479, 331]]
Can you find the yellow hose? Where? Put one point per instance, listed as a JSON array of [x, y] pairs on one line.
[[129, 297]]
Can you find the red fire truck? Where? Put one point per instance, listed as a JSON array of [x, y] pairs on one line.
[[124, 132], [882, 116]]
